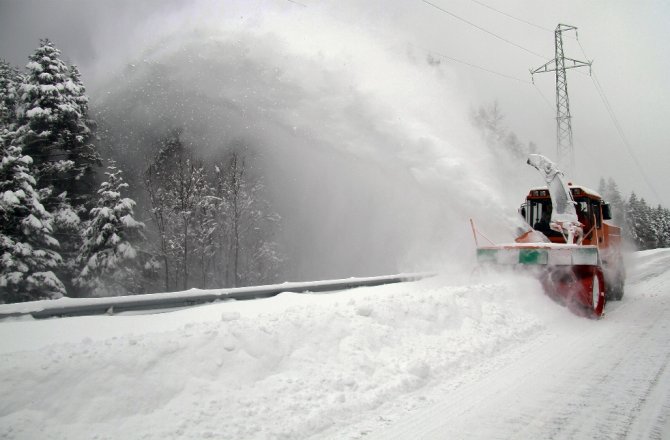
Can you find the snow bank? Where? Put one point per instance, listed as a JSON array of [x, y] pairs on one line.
[[288, 367]]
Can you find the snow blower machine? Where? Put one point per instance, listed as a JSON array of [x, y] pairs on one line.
[[568, 243]]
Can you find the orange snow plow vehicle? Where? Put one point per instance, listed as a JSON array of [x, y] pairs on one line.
[[569, 243]]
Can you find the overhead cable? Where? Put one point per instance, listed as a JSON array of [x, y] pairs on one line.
[[619, 129], [511, 16], [544, 98], [477, 67], [483, 29]]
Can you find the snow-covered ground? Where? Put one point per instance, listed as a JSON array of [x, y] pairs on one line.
[[446, 357]]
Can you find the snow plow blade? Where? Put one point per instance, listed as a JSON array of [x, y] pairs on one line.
[[554, 255], [570, 274]]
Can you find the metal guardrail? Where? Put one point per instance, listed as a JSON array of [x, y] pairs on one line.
[[66, 307]]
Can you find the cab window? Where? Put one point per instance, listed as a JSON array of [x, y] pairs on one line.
[[587, 211], [539, 209]]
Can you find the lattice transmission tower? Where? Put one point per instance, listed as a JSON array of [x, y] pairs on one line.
[[564, 148]]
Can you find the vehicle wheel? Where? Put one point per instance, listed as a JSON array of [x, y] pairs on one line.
[[597, 294], [618, 290], [614, 289]]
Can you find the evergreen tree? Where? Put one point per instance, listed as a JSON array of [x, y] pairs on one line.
[[617, 202], [631, 229], [646, 229], [54, 127], [665, 227], [643, 226], [602, 187], [610, 192], [660, 227], [109, 257], [27, 255], [9, 78]]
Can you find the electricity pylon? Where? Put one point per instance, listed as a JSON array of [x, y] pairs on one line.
[[564, 148]]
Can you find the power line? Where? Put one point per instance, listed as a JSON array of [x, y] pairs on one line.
[[482, 29], [477, 67], [484, 69], [297, 3], [511, 16], [617, 125], [472, 65], [544, 98]]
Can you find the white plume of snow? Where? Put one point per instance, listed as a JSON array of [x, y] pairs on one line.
[[367, 150]]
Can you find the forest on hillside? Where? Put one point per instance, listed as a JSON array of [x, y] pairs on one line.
[[70, 225]]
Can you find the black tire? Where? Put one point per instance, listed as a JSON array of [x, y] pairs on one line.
[[614, 285], [617, 293]]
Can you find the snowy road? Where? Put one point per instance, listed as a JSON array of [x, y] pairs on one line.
[[435, 359], [606, 381]]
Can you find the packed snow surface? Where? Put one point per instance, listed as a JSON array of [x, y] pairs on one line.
[[446, 357]]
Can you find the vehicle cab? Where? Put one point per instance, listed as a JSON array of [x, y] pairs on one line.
[[591, 209]]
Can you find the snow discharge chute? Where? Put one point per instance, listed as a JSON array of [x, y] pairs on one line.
[[563, 216]]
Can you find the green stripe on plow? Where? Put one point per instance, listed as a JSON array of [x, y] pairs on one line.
[[533, 256]]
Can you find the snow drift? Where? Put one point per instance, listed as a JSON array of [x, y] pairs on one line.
[[287, 367]]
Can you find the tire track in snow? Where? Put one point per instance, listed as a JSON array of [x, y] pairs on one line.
[[612, 396], [604, 380]]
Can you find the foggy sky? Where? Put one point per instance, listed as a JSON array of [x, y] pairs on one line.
[[391, 102], [627, 41]]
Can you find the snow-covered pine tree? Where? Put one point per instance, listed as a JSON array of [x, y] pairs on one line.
[[602, 187], [41, 96], [9, 77], [109, 256], [633, 215], [660, 226], [27, 247], [640, 227], [646, 227], [617, 202], [54, 127], [79, 136], [610, 192], [664, 232]]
